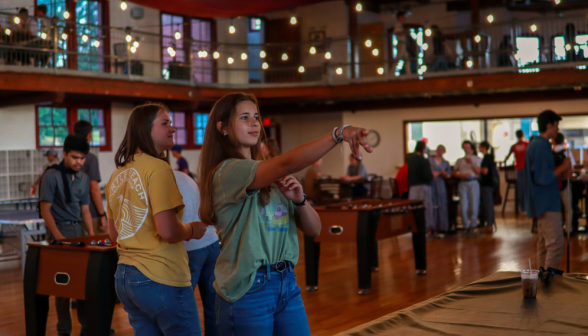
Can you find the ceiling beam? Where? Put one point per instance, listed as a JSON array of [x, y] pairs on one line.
[[39, 98]]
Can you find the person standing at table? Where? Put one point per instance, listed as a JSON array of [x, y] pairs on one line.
[[65, 198], [519, 149], [180, 160], [83, 129], [202, 253], [467, 169], [420, 177], [355, 172], [53, 160], [488, 181], [542, 192], [440, 211]]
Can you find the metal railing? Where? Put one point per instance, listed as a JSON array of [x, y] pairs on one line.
[[51, 45]]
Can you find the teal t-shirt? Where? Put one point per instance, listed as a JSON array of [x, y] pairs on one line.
[[251, 234]]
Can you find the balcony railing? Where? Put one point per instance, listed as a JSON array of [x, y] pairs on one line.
[[66, 47]]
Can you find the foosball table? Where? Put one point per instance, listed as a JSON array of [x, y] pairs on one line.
[[365, 222]]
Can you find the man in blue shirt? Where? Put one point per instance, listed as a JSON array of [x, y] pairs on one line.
[[181, 162], [542, 192]]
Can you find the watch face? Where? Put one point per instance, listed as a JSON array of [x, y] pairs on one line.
[[373, 138]]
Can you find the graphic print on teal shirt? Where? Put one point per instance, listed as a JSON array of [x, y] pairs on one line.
[[275, 216]]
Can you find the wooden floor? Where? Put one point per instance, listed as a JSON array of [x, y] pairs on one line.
[[452, 262]]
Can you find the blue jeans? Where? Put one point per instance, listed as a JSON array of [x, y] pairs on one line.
[[469, 202], [154, 308], [272, 306], [520, 191], [202, 263]]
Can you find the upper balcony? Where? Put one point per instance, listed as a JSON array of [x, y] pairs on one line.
[[64, 57]]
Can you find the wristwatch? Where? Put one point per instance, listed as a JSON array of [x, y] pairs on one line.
[[102, 215], [301, 203]]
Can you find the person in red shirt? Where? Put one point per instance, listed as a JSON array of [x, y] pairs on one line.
[[402, 179], [519, 149]]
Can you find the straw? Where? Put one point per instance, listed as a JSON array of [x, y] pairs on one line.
[[530, 265]]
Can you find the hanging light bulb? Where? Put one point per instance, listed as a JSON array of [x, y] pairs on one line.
[[230, 60], [568, 47], [96, 44], [123, 5], [85, 38], [128, 38], [66, 15], [490, 18], [177, 35], [425, 46], [171, 51], [43, 35], [533, 28], [262, 54], [428, 32], [204, 53], [339, 71], [477, 38], [216, 55], [293, 20], [557, 2], [368, 43], [358, 7], [133, 49], [312, 50], [232, 29], [380, 71], [375, 52], [64, 36], [243, 56], [470, 63], [284, 57], [301, 69], [7, 32], [16, 20], [136, 44], [328, 55], [423, 68], [265, 65]]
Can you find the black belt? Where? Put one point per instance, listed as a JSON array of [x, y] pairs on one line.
[[68, 223], [278, 267], [469, 179]]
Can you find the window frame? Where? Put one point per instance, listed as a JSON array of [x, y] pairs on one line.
[[72, 118]]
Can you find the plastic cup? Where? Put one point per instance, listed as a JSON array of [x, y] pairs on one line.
[[530, 280]]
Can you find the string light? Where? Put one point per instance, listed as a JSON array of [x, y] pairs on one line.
[[358, 7], [428, 32], [339, 71], [66, 15], [16, 20], [133, 49], [557, 2], [123, 5], [425, 46], [312, 50], [216, 55], [96, 44], [568, 47], [177, 35], [490, 18], [375, 52], [284, 57], [129, 38], [64, 36], [171, 51], [243, 56], [264, 65], [328, 55], [380, 71], [301, 69], [43, 35], [230, 60], [7, 31], [262, 54], [477, 38], [469, 63], [136, 44], [85, 38], [202, 54], [368, 43], [534, 28], [293, 20], [232, 29]]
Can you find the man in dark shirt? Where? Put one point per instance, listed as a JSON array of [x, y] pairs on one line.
[[182, 163], [420, 177], [65, 195], [83, 129]]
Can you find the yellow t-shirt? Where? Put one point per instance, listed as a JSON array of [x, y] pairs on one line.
[[134, 194]]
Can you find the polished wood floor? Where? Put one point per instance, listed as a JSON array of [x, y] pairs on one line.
[[452, 262]]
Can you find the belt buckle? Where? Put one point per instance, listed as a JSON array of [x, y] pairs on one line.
[[281, 266]]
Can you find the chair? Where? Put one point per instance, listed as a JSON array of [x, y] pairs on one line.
[[376, 186], [510, 176]]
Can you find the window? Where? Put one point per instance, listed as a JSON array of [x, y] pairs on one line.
[[56, 8], [528, 50], [174, 56], [559, 46], [254, 24], [52, 123], [96, 118], [179, 122], [90, 40], [202, 50], [200, 121]]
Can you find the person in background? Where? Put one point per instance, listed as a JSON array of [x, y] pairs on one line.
[[181, 161], [542, 192], [400, 34], [402, 179], [356, 171], [53, 160], [467, 170], [65, 198], [312, 175], [27, 26], [440, 211], [560, 152], [270, 148], [83, 129], [439, 48], [519, 149], [420, 178], [202, 253], [488, 177]]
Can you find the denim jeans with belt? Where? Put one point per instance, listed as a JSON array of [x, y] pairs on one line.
[[469, 202], [272, 307], [202, 262], [155, 309]]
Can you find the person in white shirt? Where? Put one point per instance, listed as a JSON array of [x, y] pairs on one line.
[[202, 253], [467, 169]]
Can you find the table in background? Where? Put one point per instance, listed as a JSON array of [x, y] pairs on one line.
[[21, 224]]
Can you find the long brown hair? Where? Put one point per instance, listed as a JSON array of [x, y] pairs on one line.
[[138, 134], [218, 148]]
